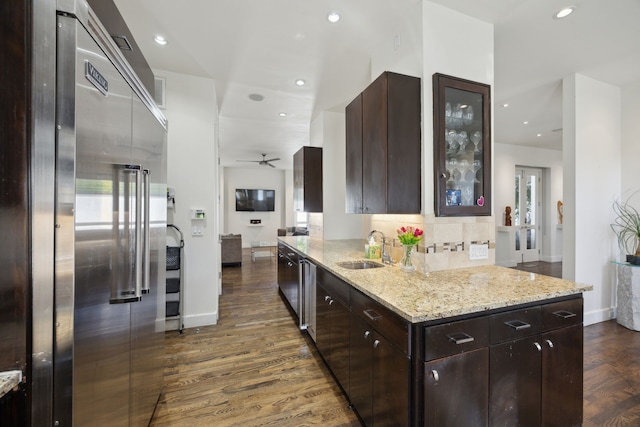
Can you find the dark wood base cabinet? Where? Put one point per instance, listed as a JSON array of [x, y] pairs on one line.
[[519, 366], [380, 377], [332, 324], [456, 390], [514, 368], [536, 375], [288, 263]]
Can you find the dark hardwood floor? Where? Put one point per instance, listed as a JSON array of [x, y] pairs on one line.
[[255, 368], [611, 375], [553, 269]]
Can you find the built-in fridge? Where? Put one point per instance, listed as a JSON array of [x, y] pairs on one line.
[[110, 224]]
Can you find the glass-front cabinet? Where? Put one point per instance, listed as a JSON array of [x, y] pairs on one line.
[[462, 146]]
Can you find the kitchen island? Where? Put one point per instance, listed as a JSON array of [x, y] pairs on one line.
[[475, 346]]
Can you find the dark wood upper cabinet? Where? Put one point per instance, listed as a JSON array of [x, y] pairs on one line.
[[462, 146], [307, 179], [353, 117], [383, 147]]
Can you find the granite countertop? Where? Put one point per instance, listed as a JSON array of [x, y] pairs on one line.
[[419, 297], [8, 380]]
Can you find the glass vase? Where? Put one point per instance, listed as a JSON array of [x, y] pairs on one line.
[[405, 262]]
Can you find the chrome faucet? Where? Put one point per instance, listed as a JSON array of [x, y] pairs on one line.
[[386, 258]]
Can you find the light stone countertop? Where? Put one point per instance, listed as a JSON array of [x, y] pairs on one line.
[[437, 295], [8, 380]]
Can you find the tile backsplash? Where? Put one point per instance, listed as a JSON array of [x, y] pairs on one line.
[[446, 240]]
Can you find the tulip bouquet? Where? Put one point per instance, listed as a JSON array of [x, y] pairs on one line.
[[409, 235]]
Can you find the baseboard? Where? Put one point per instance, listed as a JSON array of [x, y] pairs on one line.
[[506, 263], [198, 320], [195, 321], [554, 258], [598, 316]]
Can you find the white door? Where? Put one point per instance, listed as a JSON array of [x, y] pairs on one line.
[[527, 213]]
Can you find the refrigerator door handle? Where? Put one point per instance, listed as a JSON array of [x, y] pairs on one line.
[[138, 231], [131, 292], [146, 288]]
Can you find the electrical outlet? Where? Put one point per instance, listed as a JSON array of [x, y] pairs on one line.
[[478, 252]]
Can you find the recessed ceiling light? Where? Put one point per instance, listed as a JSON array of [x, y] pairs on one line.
[[283, 114], [505, 105], [160, 40], [300, 82], [256, 97], [564, 12], [539, 134], [333, 17], [525, 122]]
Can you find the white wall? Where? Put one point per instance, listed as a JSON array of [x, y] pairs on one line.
[[507, 157], [289, 216], [592, 161], [400, 49], [455, 53], [192, 112], [328, 131], [239, 222], [631, 139]]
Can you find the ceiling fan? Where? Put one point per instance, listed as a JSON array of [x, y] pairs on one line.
[[263, 162]]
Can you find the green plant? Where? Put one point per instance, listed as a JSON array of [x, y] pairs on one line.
[[626, 226]]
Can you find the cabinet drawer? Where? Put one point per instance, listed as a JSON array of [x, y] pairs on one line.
[[455, 337], [387, 323], [287, 251], [560, 314], [515, 324], [336, 288]]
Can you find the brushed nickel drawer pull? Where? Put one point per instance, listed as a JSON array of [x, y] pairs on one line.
[[435, 375], [538, 346], [371, 314], [564, 314], [518, 325], [461, 338]]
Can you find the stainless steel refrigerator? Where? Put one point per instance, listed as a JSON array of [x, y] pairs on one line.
[[110, 223]]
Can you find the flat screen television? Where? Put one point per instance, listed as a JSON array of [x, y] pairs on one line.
[[249, 200]]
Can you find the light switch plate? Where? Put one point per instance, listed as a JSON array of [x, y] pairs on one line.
[[478, 252]]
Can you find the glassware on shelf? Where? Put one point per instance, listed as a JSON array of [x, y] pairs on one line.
[[467, 115], [467, 196], [476, 137], [456, 116], [452, 140], [462, 155], [463, 140], [464, 167], [452, 168], [477, 165]]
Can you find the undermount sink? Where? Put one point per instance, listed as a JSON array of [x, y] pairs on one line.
[[359, 265]]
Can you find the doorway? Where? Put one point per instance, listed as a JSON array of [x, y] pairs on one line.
[[527, 213]]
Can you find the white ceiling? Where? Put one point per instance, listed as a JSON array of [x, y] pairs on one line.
[[258, 46]]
